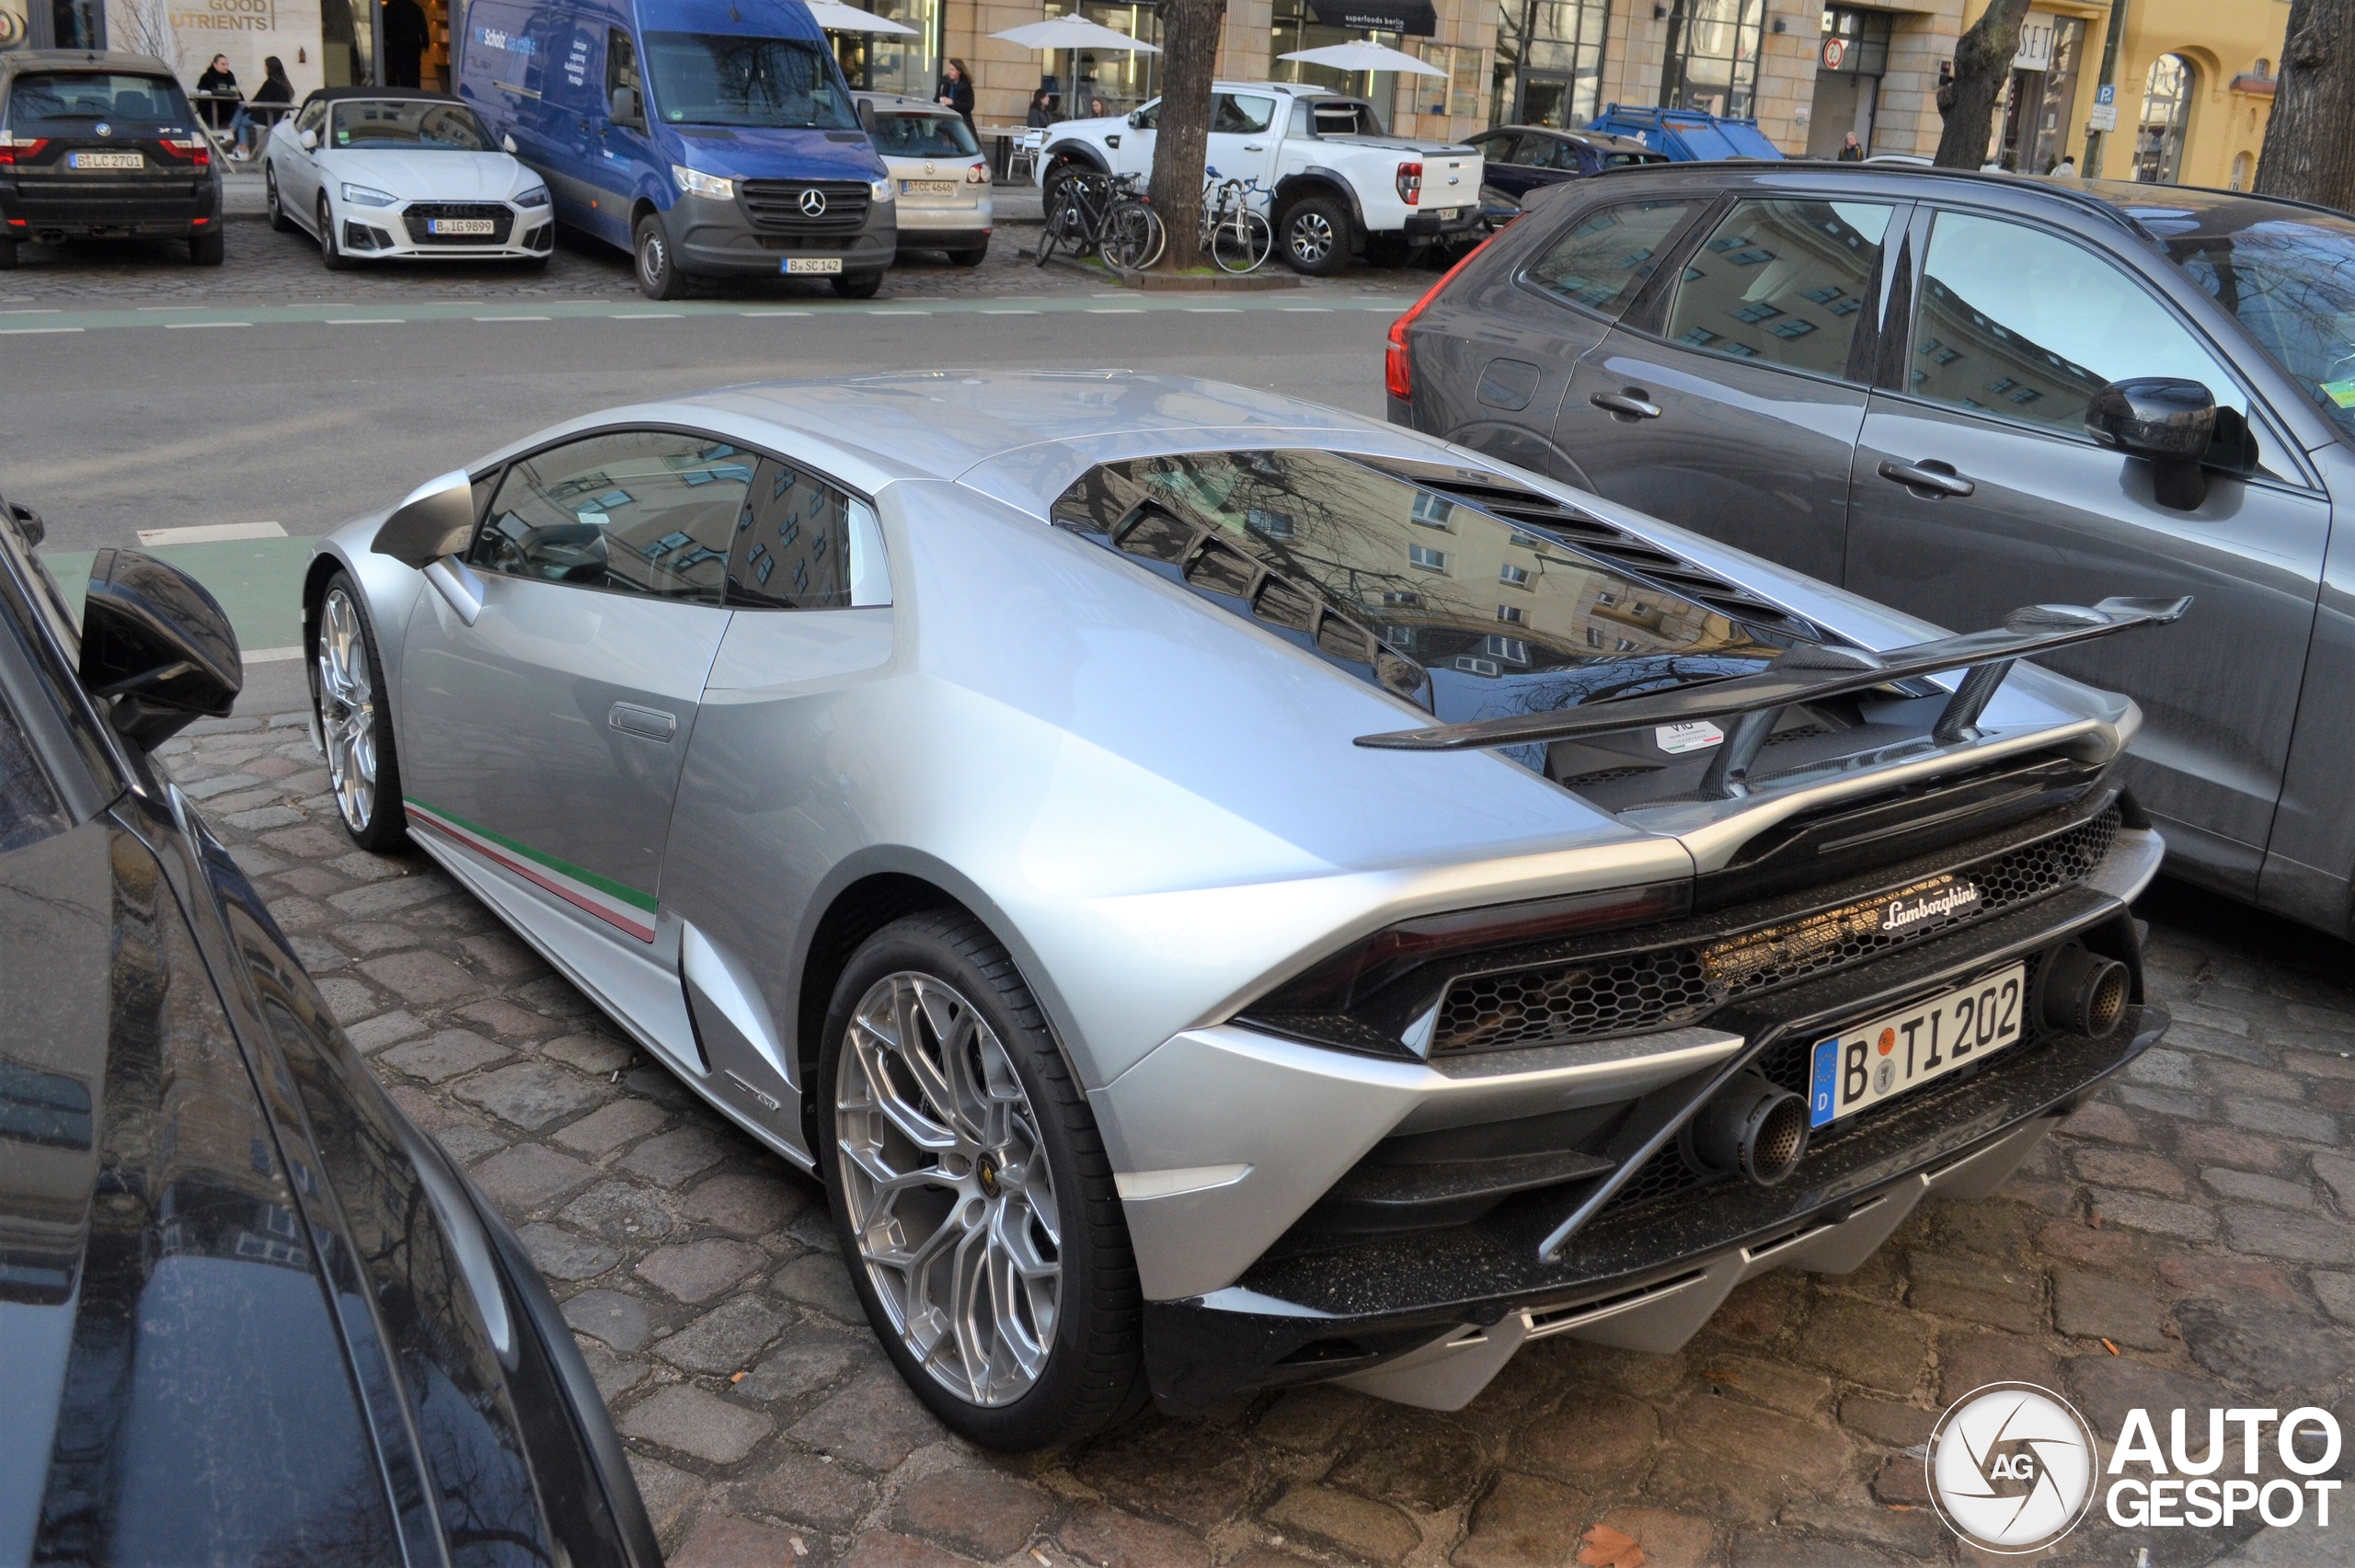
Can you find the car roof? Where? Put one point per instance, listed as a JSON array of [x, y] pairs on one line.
[[898, 102], [1601, 141], [401, 95], [91, 61]]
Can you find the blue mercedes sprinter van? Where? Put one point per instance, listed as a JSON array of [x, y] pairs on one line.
[[706, 137]]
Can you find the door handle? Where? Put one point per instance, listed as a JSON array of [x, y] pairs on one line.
[[1931, 476], [651, 724], [1632, 404], [1250, 148]]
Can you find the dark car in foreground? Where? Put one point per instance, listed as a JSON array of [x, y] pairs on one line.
[[102, 147], [1955, 393], [1518, 159], [248, 1313]]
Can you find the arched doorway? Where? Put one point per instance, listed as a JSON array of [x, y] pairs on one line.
[[2166, 116]]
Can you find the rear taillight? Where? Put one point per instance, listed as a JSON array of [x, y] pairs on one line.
[[1410, 183], [978, 175], [193, 150], [24, 147], [1398, 373]]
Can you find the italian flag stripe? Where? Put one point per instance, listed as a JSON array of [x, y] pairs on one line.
[[613, 902]]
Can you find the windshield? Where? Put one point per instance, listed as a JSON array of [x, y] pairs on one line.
[[924, 136], [722, 79], [1501, 618], [49, 97], [409, 123], [2290, 281]]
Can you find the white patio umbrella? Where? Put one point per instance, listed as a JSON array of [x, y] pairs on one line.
[[1074, 32], [1361, 55], [836, 18]]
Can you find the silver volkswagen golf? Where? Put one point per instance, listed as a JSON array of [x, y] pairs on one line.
[[1227, 894]]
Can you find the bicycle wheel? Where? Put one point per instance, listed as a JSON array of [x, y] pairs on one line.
[[1241, 242], [1132, 236]]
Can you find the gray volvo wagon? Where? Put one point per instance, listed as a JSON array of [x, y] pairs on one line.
[[1956, 393]]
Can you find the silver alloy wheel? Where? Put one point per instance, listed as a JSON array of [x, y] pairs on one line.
[[948, 1189], [1311, 237], [346, 711]]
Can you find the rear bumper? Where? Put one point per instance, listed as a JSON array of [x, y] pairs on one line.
[[172, 210], [1468, 219]]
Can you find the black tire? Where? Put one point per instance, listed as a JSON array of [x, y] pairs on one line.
[[659, 277], [858, 285], [1094, 1374], [384, 824], [972, 257], [1058, 170], [8, 256], [278, 218], [1315, 236], [206, 250], [331, 256]]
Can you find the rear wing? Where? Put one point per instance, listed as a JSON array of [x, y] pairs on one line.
[[1809, 672]]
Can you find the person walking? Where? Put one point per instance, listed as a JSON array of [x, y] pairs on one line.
[[2065, 169], [214, 89], [955, 92], [405, 38], [274, 89], [1851, 151], [1042, 110]]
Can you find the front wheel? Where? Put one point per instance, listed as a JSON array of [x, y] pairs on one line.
[[859, 285], [971, 1193], [1316, 236], [659, 277], [279, 219], [355, 726], [1241, 243], [1133, 237], [331, 255]]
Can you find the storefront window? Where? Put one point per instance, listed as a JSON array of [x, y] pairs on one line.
[[1712, 56], [1123, 80], [2166, 115], [894, 63], [75, 24], [2032, 125], [1549, 61]]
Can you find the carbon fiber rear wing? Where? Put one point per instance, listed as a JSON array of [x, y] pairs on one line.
[[1810, 672]]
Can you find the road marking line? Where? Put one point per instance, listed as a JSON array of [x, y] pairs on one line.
[[170, 307], [208, 533], [1307, 310], [647, 316], [33, 331], [31, 309], [510, 318], [1211, 310], [365, 320], [271, 655], [199, 326], [773, 313], [1115, 310], [1007, 313], [895, 312]]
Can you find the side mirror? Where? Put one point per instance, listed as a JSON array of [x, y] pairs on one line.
[[309, 139], [158, 645], [625, 105], [435, 520], [2167, 421], [1136, 119], [29, 527]]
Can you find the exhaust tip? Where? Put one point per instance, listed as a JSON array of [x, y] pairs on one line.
[[2083, 992], [1753, 1128]]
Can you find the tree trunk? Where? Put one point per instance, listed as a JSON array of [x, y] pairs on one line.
[[2309, 154], [1189, 34], [1982, 61]]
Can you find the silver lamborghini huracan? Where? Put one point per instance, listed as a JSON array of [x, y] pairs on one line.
[[1227, 894]]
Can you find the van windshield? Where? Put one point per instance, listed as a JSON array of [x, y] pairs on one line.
[[723, 79]]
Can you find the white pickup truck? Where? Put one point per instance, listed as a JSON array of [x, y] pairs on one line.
[[1337, 184]]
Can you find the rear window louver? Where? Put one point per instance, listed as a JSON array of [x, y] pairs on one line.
[[1606, 541]]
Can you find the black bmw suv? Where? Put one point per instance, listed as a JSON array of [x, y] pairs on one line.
[[102, 147]]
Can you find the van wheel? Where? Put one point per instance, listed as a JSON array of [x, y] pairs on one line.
[[862, 286], [659, 277], [1315, 236], [331, 255]]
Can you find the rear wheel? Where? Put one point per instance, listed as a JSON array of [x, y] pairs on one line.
[[971, 1192], [331, 255], [206, 250], [1315, 236], [659, 277], [8, 256], [1133, 237], [355, 724], [1241, 243], [972, 257]]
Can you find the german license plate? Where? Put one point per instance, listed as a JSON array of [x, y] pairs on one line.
[[461, 226], [812, 266], [1859, 1068], [1448, 215], [105, 161], [928, 187]]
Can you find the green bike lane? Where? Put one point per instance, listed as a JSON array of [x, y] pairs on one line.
[[257, 581]]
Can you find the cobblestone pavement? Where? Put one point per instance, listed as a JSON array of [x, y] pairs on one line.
[[2183, 1242]]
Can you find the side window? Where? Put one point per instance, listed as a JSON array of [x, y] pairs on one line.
[[1501, 148], [313, 113], [1782, 282], [802, 543], [1237, 115], [621, 66], [1303, 122], [2027, 325], [648, 512], [1549, 153], [1602, 260]]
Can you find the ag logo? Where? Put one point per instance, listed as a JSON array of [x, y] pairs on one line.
[[813, 203], [2011, 1468]]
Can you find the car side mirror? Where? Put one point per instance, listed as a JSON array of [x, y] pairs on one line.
[[435, 520], [625, 107], [1136, 119], [157, 646], [309, 139], [29, 527], [2167, 421]]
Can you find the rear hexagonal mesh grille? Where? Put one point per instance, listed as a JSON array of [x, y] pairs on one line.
[[1668, 986]]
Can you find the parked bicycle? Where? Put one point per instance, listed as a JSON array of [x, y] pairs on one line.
[[1235, 225], [1093, 213]]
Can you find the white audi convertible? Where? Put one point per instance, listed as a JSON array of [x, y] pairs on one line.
[[396, 174]]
